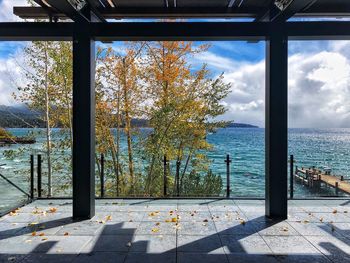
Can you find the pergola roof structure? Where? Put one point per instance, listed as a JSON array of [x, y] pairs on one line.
[[268, 21], [258, 10]]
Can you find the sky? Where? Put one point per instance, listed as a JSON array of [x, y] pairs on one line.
[[318, 77]]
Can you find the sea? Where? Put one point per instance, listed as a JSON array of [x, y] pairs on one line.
[[322, 148]]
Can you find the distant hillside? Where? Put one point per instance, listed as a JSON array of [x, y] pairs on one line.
[[18, 116], [240, 125]]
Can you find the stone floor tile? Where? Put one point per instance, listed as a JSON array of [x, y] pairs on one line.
[[204, 244], [156, 228], [336, 249], [303, 259], [249, 244], [201, 257], [105, 257], [14, 258], [314, 229], [196, 228], [58, 244], [198, 216], [49, 258], [289, 245], [250, 258], [150, 258], [83, 228], [235, 228], [108, 243], [275, 229], [153, 243]]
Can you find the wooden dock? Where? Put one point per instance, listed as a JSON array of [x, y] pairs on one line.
[[313, 177]]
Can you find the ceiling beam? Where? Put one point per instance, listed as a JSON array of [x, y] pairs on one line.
[[274, 13], [293, 8], [119, 13], [28, 31]]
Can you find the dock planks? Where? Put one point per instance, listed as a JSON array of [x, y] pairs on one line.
[[312, 177]]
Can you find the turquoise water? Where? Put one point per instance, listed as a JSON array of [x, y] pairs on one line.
[[311, 147]]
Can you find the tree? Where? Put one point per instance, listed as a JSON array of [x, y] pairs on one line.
[[184, 104]]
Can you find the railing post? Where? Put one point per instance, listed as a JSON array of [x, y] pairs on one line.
[[39, 175], [102, 175], [291, 177], [31, 176], [336, 188], [177, 178], [165, 162], [228, 161]]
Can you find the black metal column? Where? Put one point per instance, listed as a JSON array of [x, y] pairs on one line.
[[83, 123], [276, 137]]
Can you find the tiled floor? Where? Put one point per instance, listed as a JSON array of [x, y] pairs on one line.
[[177, 231]]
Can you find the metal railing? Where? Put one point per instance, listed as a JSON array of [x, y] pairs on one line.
[[166, 162]]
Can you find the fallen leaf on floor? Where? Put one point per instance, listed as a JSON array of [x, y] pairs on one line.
[[33, 224], [154, 213], [285, 229], [41, 234], [44, 239], [157, 224], [130, 220], [66, 234], [52, 210], [13, 213], [174, 219], [11, 258], [335, 211], [108, 218], [321, 219], [242, 222], [205, 220], [155, 229], [306, 221], [33, 234]]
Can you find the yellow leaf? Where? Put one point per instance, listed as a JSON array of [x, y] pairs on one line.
[[33, 224], [174, 219], [33, 233], [108, 218], [52, 210], [155, 230], [154, 213], [41, 234]]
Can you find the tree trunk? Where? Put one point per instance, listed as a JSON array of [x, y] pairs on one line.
[[48, 128]]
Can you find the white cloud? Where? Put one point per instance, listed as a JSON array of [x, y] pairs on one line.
[[11, 76], [6, 9], [319, 89]]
